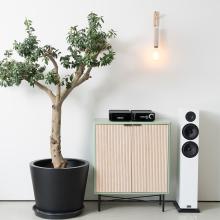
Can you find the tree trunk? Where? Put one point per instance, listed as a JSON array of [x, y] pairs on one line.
[[55, 140]]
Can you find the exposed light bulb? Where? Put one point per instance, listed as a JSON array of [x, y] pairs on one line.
[[156, 54]]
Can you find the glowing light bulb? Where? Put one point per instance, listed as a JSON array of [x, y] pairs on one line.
[[156, 54]]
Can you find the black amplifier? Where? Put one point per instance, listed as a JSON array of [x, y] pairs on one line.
[[142, 115], [119, 115]]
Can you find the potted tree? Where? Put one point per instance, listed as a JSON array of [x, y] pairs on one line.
[[58, 183]]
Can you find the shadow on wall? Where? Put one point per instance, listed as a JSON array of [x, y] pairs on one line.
[[110, 83], [173, 154], [124, 70], [209, 155]]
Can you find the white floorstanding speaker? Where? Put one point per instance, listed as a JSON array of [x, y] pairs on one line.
[[188, 152]]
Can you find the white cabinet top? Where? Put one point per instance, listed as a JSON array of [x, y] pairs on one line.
[[107, 121]]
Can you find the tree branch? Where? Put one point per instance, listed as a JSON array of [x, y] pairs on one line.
[[53, 61], [76, 82], [79, 79], [47, 90], [58, 92]]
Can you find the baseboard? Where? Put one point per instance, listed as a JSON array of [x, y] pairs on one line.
[[16, 200], [208, 201], [107, 200]]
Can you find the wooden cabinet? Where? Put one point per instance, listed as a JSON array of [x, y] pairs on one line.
[[113, 158], [149, 158], [131, 157]]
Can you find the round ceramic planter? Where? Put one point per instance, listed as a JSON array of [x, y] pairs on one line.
[[59, 193]]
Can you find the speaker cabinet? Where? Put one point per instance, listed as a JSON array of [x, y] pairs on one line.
[[188, 152]]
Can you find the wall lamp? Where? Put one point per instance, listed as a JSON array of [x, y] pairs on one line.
[[156, 19]]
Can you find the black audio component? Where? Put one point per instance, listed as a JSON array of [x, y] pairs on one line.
[[142, 115], [119, 115]]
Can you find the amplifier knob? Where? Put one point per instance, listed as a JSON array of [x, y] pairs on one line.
[[151, 116]]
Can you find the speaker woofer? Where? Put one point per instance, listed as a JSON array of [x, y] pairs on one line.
[[190, 149], [190, 116], [190, 131]]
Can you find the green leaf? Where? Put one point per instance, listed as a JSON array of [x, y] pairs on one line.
[[87, 47]]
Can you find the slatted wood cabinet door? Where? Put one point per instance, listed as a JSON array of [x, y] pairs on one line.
[[150, 158], [132, 158], [113, 158]]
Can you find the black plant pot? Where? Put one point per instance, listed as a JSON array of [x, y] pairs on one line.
[[59, 193]]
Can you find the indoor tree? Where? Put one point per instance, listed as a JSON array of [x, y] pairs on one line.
[[87, 48]]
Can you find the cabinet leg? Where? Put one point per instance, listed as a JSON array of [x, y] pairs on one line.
[[160, 199], [99, 203], [163, 202]]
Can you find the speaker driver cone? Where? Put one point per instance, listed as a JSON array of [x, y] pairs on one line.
[[190, 149], [190, 116], [190, 131]]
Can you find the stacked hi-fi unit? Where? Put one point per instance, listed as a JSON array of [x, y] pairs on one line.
[[134, 115], [187, 194]]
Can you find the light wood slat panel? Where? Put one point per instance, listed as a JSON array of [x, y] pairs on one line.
[[150, 158], [113, 158]]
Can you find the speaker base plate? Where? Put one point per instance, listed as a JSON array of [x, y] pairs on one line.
[[185, 210]]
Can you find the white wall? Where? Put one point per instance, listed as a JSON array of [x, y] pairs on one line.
[[188, 74]]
